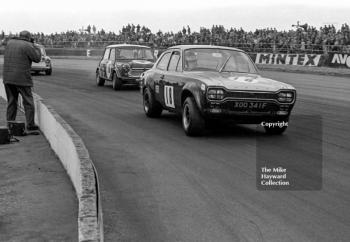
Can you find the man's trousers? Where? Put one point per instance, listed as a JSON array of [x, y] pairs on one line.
[[12, 92]]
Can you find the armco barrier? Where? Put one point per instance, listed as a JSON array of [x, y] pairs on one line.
[[74, 52], [76, 160]]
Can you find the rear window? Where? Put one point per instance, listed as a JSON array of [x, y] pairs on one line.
[[174, 61], [106, 54], [112, 55], [163, 63]]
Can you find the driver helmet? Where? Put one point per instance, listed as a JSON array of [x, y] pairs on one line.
[[190, 58]]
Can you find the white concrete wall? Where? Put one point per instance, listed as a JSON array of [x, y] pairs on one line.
[[76, 160]]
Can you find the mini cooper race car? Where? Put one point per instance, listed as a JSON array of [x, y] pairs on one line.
[[123, 64], [204, 83], [44, 65]]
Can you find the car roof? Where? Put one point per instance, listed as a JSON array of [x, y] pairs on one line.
[[185, 47], [127, 45]]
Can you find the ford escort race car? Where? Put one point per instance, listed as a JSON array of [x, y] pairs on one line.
[[204, 83], [123, 64], [45, 64]]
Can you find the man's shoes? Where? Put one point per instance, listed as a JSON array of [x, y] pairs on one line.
[[32, 128]]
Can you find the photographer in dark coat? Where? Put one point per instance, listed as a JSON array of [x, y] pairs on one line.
[[19, 54]]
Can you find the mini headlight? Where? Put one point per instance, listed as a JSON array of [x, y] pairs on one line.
[[126, 66], [125, 69]]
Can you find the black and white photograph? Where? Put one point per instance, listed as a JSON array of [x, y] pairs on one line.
[[184, 121]]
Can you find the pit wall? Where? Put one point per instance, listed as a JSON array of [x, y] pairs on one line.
[[75, 158]]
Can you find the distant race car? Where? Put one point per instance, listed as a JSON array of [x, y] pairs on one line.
[[45, 65], [123, 64], [204, 83]]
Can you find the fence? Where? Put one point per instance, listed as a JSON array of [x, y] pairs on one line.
[[248, 47], [309, 57]]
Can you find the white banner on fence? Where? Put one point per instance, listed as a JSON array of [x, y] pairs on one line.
[[341, 59], [288, 59]]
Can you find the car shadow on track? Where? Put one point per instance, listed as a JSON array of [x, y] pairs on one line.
[[38, 73], [124, 87], [217, 129]]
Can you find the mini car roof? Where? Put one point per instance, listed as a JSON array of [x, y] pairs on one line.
[[185, 47], [126, 45]]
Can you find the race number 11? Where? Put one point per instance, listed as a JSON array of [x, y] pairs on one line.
[[169, 96]]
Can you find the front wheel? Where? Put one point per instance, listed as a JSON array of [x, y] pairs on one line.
[[116, 82], [99, 80], [48, 72], [152, 108], [192, 121]]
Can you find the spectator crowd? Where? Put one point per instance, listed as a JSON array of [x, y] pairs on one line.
[[300, 38]]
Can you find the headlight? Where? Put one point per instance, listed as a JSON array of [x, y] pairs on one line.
[[216, 94], [126, 66], [285, 96], [125, 69]]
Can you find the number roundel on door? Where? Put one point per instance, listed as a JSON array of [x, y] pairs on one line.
[[169, 96]]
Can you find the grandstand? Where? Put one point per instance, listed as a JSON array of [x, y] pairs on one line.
[[299, 39]]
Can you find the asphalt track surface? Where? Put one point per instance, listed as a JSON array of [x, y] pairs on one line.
[[159, 185]]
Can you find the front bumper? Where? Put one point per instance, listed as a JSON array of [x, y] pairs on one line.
[[131, 80], [40, 67], [133, 77], [271, 111]]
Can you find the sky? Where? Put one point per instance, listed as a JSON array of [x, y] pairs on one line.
[[168, 15]]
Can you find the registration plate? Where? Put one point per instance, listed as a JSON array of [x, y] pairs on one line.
[[250, 105]]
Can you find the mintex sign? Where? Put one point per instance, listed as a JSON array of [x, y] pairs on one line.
[[288, 59], [340, 60]]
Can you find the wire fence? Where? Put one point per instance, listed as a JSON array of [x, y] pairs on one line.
[[248, 47]]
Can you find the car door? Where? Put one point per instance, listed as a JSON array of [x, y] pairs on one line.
[[110, 64], [173, 82], [103, 63], [159, 80]]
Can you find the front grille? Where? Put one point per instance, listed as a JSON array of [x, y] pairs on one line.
[[137, 71], [251, 95]]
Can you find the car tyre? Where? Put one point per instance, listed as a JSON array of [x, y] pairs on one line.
[[116, 82], [192, 121], [152, 108], [99, 81], [48, 72]]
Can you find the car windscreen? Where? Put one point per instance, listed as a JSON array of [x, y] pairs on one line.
[[221, 60], [134, 53], [42, 50]]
